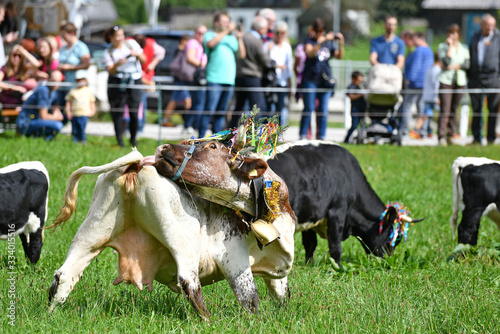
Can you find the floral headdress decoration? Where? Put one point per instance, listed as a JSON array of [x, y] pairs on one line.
[[255, 134]]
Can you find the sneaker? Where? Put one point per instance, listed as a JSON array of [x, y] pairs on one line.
[[443, 142], [415, 135], [168, 124], [474, 143], [452, 140]]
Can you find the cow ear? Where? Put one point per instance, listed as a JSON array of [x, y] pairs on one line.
[[253, 168], [390, 217]]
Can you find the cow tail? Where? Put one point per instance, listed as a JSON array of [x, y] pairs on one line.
[[456, 171], [69, 207], [70, 196]]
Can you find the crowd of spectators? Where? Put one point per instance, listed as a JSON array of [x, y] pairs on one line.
[[230, 60]]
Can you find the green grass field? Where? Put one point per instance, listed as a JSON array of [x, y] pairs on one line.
[[416, 291]]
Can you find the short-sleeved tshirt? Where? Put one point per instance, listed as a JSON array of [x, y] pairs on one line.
[[199, 52], [387, 51], [72, 56], [221, 66], [360, 103], [315, 67], [80, 99], [132, 67]]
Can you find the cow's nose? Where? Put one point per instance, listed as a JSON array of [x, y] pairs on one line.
[[160, 148]]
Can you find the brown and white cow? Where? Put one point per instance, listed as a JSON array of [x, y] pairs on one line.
[[163, 233]]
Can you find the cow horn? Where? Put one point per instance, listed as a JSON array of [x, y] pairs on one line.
[[407, 219], [241, 138]]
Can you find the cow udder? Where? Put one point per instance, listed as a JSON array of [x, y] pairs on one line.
[[141, 258]]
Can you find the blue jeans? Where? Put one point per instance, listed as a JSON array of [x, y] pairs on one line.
[[38, 127], [198, 98], [279, 108], [78, 128], [408, 100], [216, 104], [356, 119], [245, 100], [309, 103]]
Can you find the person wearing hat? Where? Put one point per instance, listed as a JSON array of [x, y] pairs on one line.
[[80, 105]]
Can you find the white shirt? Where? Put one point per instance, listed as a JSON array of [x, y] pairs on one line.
[[2, 52], [282, 56], [132, 66]]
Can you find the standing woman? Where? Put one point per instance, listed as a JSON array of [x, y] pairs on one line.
[[319, 49], [123, 61], [74, 56], [196, 56], [455, 59], [281, 53]]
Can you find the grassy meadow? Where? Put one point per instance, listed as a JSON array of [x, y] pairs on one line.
[[418, 290]]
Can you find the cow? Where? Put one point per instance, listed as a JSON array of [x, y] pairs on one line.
[[163, 233], [332, 197], [24, 197], [329, 192], [476, 192]]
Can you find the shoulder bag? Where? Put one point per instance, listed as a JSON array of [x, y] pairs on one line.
[[181, 69]]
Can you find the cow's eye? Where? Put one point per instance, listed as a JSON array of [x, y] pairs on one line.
[[213, 146]]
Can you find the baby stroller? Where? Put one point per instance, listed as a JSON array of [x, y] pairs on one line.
[[384, 84]]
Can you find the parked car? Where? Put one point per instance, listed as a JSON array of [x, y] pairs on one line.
[[169, 39]]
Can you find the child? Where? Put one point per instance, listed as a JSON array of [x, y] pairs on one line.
[[431, 100], [80, 105], [180, 96], [358, 103]]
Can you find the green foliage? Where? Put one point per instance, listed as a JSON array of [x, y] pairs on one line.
[[399, 8], [130, 11], [415, 290], [215, 4]]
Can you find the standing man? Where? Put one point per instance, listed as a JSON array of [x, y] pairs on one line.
[[249, 70], [417, 64], [484, 72], [270, 16], [388, 48], [222, 48]]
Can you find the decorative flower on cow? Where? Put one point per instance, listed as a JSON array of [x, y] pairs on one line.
[[260, 135]]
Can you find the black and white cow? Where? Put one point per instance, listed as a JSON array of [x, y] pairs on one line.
[[476, 191], [328, 190], [24, 195]]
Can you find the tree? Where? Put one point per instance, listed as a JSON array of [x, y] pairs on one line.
[[399, 8]]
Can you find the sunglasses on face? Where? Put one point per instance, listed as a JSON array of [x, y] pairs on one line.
[[16, 55]]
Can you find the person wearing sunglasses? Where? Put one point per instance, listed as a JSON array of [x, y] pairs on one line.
[[15, 77]]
